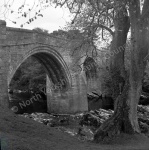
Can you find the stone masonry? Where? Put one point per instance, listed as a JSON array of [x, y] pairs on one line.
[[69, 87]]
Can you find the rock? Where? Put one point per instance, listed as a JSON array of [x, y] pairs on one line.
[[96, 101], [64, 121], [143, 120], [46, 121], [144, 128], [86, 123], [95, 118], [86, 133], [144, 99]]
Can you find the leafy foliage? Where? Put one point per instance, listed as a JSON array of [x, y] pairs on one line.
[[40, 30]]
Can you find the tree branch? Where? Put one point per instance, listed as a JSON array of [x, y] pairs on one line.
[[106, 28]]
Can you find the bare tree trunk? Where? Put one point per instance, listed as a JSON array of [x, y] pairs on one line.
[[117, 66], [125, 115], [120, 120], [139, 50]]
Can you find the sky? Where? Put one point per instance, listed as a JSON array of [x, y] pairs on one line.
[[53, 18]]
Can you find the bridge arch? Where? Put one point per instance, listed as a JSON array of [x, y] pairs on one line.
[[53, 62], [19, 44], [57, 74]]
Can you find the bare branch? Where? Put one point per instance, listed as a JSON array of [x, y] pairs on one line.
[[106, 28]]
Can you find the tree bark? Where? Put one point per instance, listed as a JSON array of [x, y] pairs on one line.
[[125, 118], [117, 66]]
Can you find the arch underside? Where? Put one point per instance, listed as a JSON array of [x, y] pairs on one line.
[[57, 91], [55, 67]]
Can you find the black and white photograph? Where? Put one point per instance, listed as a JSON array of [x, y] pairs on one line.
[[74, 74]]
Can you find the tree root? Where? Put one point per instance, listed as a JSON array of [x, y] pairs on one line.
[[112, 127]]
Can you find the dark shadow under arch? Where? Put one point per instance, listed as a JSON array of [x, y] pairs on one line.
[[90, 68]]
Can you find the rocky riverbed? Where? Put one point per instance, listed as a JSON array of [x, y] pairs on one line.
[[84, 125]]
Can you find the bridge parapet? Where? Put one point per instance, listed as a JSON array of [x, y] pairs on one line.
[[17, 36]]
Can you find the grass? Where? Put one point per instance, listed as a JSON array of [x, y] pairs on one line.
[[19, 133]]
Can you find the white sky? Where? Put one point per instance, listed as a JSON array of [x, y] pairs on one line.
[[53, 18]]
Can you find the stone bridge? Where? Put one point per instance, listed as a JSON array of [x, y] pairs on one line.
[[59, 59]]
